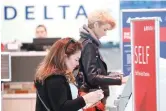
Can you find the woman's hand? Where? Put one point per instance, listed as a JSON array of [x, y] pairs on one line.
[[93, 97]]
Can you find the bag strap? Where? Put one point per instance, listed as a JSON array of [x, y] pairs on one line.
[[42, 101]]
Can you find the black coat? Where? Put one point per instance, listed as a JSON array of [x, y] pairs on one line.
[[56, 94], [93, 66]]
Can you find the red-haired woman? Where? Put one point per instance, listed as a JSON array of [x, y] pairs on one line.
[[55, 81]]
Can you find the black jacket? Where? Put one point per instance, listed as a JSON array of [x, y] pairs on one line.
[[92, 64], [56, 94]]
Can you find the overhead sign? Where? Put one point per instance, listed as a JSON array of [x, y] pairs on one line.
[[62, 18]]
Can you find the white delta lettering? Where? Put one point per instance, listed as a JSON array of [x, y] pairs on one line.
[[141, 54]]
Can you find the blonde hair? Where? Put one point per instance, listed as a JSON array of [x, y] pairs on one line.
[[101, 16]]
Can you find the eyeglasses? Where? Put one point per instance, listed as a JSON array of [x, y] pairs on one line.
[[68, 43]]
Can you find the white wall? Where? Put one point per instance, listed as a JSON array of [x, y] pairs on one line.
[[24, 30], [162, 84]]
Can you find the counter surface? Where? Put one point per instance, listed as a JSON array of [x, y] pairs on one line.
[[28, 53], [19, 96]]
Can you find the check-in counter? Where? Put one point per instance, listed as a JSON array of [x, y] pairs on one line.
[[19, 94], [19, 102]]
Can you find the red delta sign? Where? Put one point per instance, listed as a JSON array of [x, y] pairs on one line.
[[144, 63]]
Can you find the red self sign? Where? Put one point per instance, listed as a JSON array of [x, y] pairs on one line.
[[144, 64]]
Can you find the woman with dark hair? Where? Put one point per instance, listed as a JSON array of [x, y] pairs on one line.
[[55, 81]]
